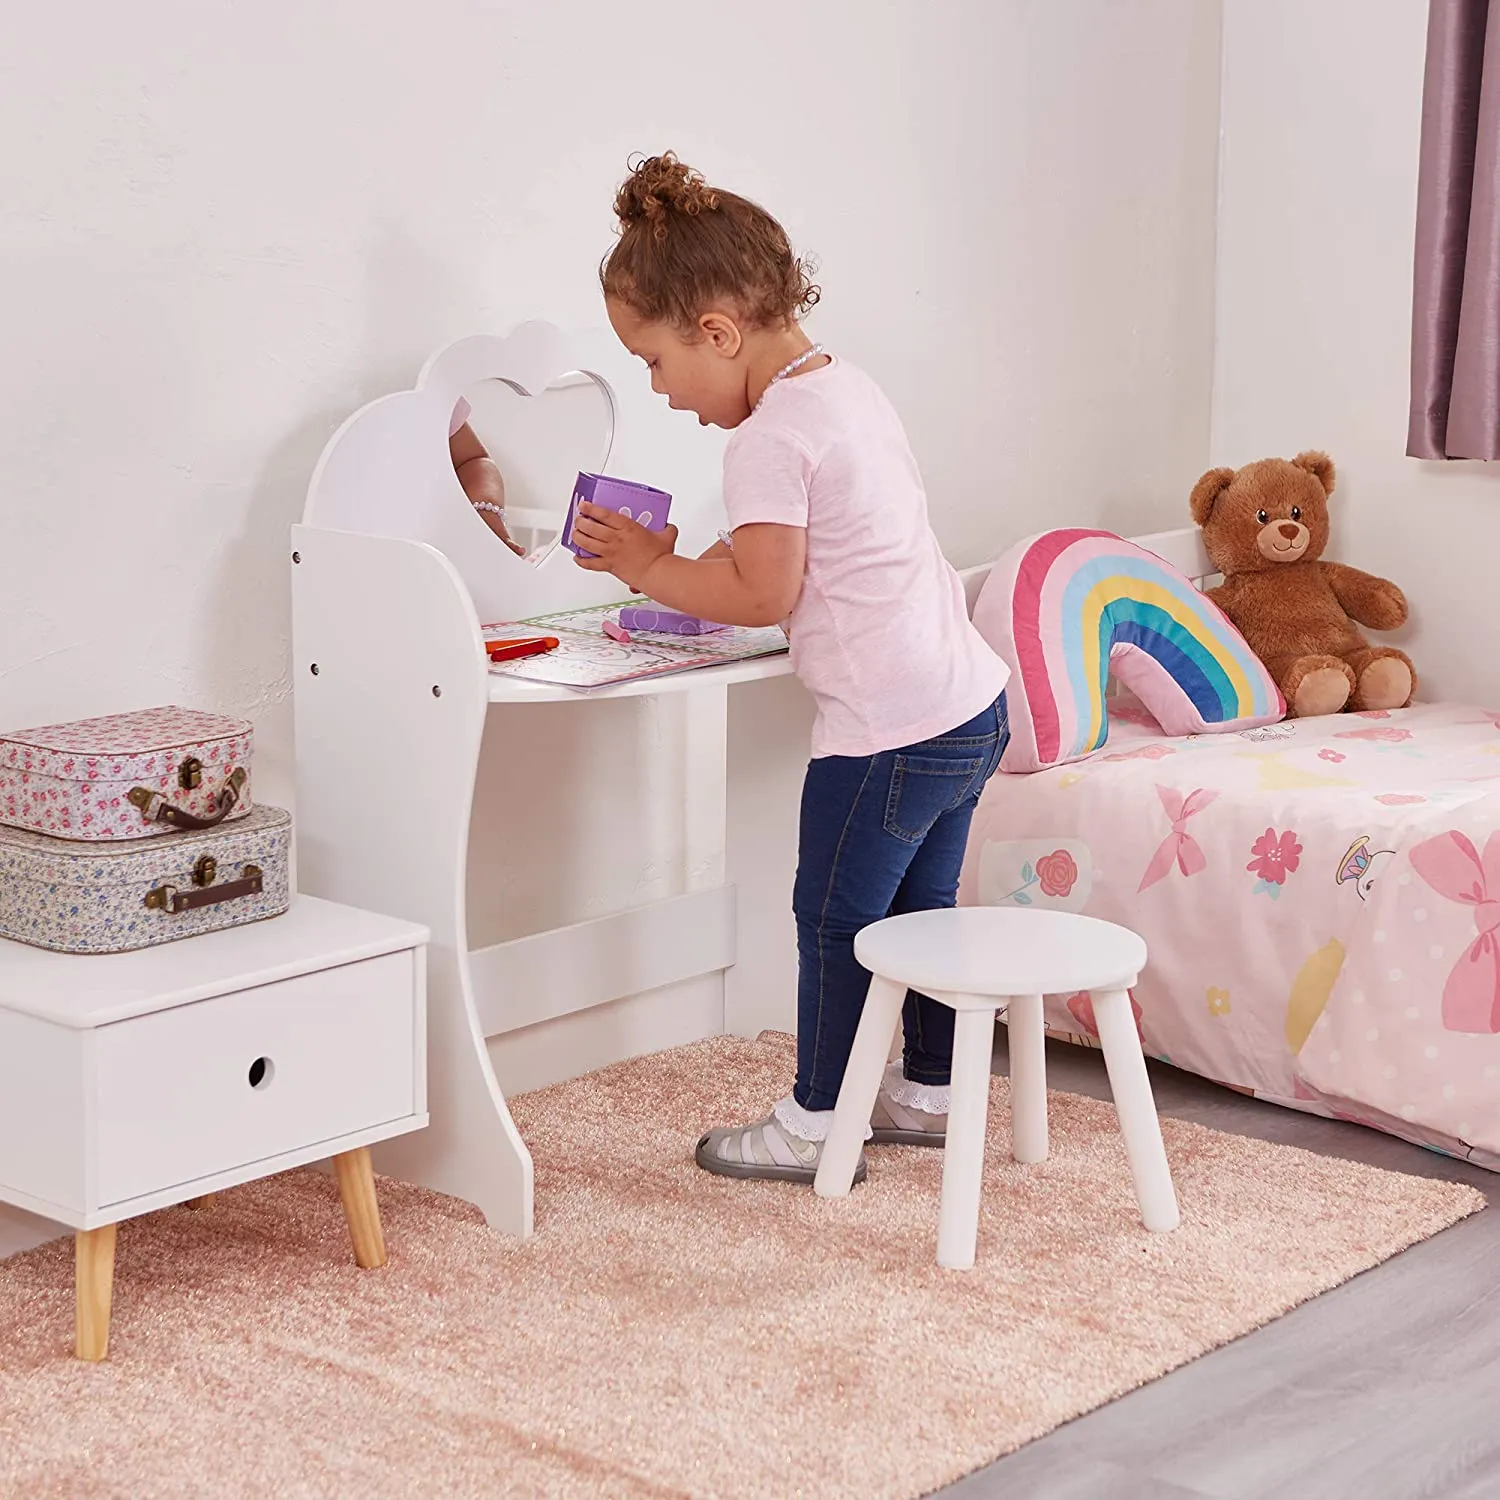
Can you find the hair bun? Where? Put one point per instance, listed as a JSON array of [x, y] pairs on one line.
[[658, 185]]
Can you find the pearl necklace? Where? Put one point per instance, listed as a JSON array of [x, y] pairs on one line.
[[790, 369]]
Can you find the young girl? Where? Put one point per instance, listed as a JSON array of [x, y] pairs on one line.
[[828, 526]]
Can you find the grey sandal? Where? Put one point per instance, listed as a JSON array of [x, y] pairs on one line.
[[765, 1151], [893, 1124]]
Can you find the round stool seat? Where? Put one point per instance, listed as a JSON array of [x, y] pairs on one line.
[[998, 950], [979, 960]]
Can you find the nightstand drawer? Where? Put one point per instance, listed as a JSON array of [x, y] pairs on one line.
[[222, 1083]]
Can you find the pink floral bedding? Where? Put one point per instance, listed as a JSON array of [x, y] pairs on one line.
[[1321, 901]]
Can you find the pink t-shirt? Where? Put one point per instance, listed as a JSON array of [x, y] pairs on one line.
[[880, 633]]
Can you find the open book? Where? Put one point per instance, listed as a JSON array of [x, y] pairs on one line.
[[587, 658]]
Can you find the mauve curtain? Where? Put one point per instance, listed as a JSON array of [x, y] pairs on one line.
[[1455, 347]]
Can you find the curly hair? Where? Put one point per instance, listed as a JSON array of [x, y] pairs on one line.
[[685, 246]]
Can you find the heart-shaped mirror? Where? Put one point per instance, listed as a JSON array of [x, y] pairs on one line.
[[549, 403]]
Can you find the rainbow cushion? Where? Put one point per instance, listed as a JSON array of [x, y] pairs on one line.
[[1067, 608]]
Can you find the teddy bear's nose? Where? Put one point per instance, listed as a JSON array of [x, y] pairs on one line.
[[1290, 530]]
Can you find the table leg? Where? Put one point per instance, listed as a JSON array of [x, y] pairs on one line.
[[357, 1188], [206, 1201], [95, 1281]]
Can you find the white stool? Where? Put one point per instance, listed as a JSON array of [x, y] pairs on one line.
[[979, 960]]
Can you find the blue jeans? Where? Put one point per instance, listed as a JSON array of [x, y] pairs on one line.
[[881, 835]]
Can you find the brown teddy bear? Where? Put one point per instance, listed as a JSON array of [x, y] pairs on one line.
[[1265, 527]]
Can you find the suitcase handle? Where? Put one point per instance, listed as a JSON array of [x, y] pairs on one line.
[[156, 809], [169, 898]]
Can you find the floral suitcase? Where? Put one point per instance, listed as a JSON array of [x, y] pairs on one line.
[[77, 897], [126, 776]]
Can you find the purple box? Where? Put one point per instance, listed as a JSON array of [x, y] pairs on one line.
[[652, 617], [640, 502]]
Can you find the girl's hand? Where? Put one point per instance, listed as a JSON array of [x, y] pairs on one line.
[[624, 547], [497, 525]]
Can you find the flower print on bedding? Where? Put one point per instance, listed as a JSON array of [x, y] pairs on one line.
[[1056, 874], [1273, 857]]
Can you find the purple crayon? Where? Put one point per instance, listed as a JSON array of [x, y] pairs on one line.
[[638, 502]]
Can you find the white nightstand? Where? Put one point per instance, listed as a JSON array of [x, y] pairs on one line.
[[132, 1081]]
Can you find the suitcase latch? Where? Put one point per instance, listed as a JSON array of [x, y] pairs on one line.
[[205, 869], [190, 773]]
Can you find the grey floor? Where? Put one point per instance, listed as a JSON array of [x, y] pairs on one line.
[[1387, 1388]]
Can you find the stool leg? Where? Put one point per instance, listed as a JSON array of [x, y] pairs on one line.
[[94, 1277], [1137, 1110], [856, 1101], [963, 1156], [1028, 1078]]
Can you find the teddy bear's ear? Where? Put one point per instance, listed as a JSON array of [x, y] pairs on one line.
[[1319, 465], [1206, 491]]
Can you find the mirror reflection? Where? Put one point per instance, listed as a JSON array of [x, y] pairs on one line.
[[516, 456]]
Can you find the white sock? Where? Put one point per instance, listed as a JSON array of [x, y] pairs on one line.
[[805, 1124], [929, 1098]]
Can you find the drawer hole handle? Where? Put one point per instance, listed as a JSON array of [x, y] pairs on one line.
[[262, 1071]]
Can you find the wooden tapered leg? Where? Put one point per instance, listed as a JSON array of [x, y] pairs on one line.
[[95, 1281], [357, 1188], [206, 1201]]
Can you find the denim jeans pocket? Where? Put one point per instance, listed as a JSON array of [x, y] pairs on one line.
[[924, 787]]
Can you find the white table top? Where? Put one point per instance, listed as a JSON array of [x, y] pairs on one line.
[[87, 990], [1001, 951], [507, 689]]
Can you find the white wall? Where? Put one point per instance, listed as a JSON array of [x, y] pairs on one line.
[[223, 227], [1322, 116]]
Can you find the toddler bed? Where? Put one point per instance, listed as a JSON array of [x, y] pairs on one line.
[[1320, 897]]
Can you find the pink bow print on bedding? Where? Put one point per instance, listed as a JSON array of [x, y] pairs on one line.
[[1179, 847], [1453, 867]]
